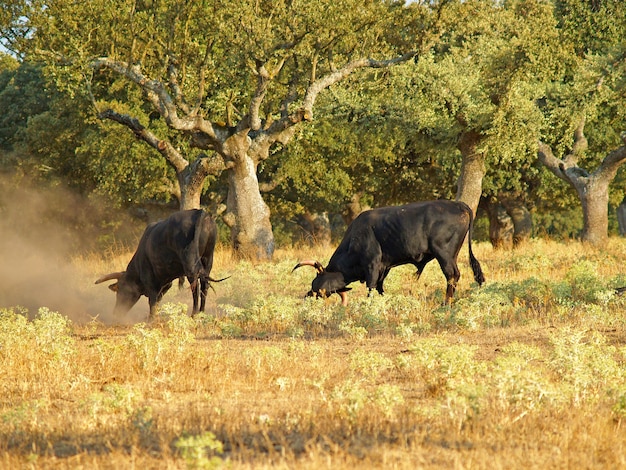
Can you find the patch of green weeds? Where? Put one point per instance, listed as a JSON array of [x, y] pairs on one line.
[[200, 451], [520, 380], [585, 363], [442, 366], [369, 364]]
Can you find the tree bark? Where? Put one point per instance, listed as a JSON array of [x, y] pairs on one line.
[[469, 184], [621, 218], [520, 216], [317, 228], [594, 197], [247, 215], [353, 208], [592, 189], [500, 224]]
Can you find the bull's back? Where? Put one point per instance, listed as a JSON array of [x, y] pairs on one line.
[[405, 232], [168, 243]]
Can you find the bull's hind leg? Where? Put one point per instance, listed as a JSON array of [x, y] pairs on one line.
[[204, 287], [452, 273]]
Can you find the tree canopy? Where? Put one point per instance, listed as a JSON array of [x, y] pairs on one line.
[[295, 102]]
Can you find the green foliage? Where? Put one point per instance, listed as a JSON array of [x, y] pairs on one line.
[[585, 363], [520, 380], [199, 450], [388, 135], [370, 365], [591, 86], [113, 399], [584, 281], [124, 170], [531, 293], [442, 367], [353, 401], [619, 409], [162, 349], [486, 307], [23, 94], [49, 334]]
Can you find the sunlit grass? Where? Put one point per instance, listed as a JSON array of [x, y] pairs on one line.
[[527, 371]]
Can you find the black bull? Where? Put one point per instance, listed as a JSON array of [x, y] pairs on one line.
[[380, 239], [181, 245]]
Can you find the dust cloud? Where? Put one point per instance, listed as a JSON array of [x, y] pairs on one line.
[[43, 232]]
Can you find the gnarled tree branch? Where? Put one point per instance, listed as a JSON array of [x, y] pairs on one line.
[[159, 97], [165, 148]]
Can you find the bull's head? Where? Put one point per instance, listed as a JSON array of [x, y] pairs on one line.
[[127, 292], [326, 282]]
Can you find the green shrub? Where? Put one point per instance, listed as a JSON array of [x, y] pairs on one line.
[[619, 408], [520, 382], [585, 364], [530, 293], [369, 364], [443, 367], [584, 281], [486, 307], [199, 450]]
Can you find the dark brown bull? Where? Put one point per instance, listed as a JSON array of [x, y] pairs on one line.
[[380, 239]]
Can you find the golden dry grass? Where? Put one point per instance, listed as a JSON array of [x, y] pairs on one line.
[[526, 372]]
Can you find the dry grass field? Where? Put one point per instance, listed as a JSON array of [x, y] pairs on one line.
[[528, 371]]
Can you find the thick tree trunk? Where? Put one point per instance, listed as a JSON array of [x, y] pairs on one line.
[[317, 228], [469, 185], [521, 218], [500, 225], [353, 209], [189, 197], [247, 215], [592, 189], [189, 201], [594, 196], [621, 218]]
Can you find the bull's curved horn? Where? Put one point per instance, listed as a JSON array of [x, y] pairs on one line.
[[316, 264], [108, 277]]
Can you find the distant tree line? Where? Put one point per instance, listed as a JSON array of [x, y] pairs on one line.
[[278, 115]]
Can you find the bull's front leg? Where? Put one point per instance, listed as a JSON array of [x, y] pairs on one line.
[[381, 279], [155, 298], [153, 301], [375, 278], [451, 287], [194, 286]]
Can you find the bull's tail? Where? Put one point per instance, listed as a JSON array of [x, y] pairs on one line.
[[475, 265], [192, 254]]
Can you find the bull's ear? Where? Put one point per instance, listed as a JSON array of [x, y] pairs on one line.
[[114, 287]]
